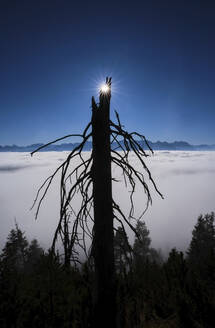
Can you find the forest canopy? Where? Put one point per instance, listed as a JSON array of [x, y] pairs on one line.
[[179, 291]]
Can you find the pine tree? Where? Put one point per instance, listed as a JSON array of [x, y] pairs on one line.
[[201, 261], [141, 247], [34, 254], [201, 251], [122, 250], [14, 254]]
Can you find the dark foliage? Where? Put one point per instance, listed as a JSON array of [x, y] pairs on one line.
[[36, 290]]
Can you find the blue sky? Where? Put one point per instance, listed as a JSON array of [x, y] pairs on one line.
[[54, 54]]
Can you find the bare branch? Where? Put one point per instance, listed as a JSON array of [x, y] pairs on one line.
[[73, 228]]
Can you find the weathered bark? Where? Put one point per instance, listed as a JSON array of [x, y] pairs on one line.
[[103, 250]]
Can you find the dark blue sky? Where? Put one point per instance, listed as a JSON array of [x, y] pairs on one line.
[[160, 54]]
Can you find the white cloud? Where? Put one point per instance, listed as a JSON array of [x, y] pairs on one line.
[[186, 179]]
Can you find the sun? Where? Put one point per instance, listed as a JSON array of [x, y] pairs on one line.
[[104, 88]]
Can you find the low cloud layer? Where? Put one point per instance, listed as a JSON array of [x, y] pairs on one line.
[[186, 179], [11, 168]]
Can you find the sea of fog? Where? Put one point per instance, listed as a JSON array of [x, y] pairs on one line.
[[185, 178]]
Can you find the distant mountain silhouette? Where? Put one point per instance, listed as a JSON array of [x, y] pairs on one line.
[[178, 145], [158, 145]]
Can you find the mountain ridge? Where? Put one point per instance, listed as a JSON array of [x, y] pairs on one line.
[[158, 145]]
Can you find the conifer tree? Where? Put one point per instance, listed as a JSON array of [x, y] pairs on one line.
[[122, 251], [15, 252], [201, 263], [201, 251], [142, 242]]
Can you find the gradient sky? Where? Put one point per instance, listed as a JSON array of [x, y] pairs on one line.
[[54, 54]]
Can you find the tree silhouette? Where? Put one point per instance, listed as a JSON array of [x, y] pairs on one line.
[[202, 245], [92, 179], [142, 242], [15, 252], [122, 251], [201, 261]]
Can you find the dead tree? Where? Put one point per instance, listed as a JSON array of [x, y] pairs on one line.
[[92, 179], [103, 250]]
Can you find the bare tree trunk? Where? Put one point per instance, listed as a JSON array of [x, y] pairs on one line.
[[103, 250], [97, 173]]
